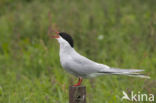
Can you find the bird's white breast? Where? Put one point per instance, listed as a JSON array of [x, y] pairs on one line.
[[66, 62]]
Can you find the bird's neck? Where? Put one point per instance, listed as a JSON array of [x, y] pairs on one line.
[[66, 49]]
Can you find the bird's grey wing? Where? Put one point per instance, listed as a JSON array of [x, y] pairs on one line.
[[85, 66]]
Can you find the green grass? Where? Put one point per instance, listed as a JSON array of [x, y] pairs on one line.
[[30, 70]]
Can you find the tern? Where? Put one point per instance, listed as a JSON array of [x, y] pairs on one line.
[[83, 67]]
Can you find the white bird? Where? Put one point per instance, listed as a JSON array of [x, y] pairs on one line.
[[83, 67]]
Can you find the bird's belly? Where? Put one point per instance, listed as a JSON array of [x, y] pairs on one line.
[[72, 69]]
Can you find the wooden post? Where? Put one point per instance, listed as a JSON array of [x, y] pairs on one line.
[[77, 94]]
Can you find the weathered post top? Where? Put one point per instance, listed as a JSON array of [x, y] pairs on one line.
[[77, 94]]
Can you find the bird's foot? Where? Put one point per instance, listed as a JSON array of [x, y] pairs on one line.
[[79, 82]]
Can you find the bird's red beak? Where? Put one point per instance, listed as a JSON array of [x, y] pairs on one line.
[[56, 36]]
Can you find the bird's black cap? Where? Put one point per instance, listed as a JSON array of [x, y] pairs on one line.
[[67, 37]]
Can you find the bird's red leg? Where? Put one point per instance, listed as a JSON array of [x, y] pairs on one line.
[[79, 82]]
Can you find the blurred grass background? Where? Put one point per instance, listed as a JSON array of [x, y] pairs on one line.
[[119, 33]]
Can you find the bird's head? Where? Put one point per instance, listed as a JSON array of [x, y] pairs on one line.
[[64, 39]]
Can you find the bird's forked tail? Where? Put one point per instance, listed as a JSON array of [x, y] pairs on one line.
[[128, 72]]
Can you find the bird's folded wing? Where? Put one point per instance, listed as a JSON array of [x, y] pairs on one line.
[[85, 65]]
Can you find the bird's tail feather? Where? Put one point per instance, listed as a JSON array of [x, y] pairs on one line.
[[141, 76], [128, 72]]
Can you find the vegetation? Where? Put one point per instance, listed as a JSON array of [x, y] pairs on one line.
[[119, 33]]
